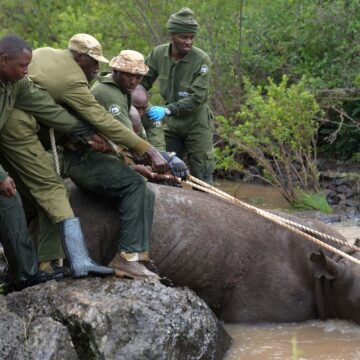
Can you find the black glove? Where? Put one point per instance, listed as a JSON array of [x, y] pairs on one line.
[[176, 165]]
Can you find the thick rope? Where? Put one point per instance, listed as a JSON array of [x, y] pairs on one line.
[[274, 219], [260, 212], [54, 151], [57, 164]]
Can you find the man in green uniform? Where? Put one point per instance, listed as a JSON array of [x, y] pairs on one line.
[[113, 91], [183, 74], [66, 75], [24, 155], [154, 129]]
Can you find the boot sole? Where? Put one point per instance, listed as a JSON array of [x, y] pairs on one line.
[[89, 273], [127, 275]]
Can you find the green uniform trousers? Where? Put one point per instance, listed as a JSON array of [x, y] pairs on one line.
[[18, 247], [107, 176], [47, 240], [194, 144], [20, 146]]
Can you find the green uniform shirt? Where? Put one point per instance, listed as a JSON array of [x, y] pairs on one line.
[[110, 96], [58, 72], [183, 83], [142, 134], [24, 95]]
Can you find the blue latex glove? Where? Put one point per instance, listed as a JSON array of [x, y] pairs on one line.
[[156, 113], [176, 165]]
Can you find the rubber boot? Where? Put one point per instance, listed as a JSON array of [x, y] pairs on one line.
[[76, 251]]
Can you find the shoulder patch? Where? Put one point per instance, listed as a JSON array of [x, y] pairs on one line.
[[114, 109], [204, 69]]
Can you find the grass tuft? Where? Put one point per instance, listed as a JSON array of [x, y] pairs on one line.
[[311, 201]]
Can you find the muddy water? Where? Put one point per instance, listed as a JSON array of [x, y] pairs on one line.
[[262, 196], [323, 340], [315, 340]]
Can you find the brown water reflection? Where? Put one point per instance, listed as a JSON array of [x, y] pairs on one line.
[[329, 340], [266, 197], [318, 340]]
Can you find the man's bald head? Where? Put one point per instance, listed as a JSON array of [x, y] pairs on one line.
[[135, 119], [15, 57], [139, 99]]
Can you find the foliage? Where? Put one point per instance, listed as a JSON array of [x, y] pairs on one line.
[[356, 157], [225, 159], [279, 131], [347, 142], [256, 39], [311, 201], [342, 140]]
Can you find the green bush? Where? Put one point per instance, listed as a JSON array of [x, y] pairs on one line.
[[225, 159], [276, 127]]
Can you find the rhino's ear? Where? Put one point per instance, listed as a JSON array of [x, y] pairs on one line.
[[323, 266]]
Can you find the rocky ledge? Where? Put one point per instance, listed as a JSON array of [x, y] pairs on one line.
[[342, 192], [109, 318]]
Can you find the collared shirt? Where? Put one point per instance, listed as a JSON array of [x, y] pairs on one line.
[[110, 96], [183, 83], [58, 72], [24, 95]]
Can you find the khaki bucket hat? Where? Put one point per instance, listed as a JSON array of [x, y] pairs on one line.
[[129, 61], [87, 44]]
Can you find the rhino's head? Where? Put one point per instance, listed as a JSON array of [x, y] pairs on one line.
[[337, 286]]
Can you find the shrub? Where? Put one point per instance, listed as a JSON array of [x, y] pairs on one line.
[[276, 127]]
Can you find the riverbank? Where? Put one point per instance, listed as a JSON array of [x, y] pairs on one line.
[[269, 198], [340, 183]]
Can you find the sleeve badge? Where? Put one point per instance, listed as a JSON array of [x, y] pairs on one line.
[[114, 109], [204, 69]]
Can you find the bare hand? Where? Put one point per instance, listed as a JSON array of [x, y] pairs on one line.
[[143, 170], [159, 164], [8, 187], [167, 179], [98, 143]]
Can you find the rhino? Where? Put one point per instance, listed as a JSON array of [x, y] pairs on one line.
[[247, 268]]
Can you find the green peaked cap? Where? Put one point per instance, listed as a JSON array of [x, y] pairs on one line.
[[182, 22]]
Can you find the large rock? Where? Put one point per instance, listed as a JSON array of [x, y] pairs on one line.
[[108, 318]]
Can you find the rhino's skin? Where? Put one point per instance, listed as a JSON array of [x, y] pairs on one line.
[[247, 268]]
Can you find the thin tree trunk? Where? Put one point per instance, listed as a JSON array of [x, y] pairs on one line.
[[155, 35]]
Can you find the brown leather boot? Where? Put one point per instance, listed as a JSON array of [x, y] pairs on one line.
[[130, 269]]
